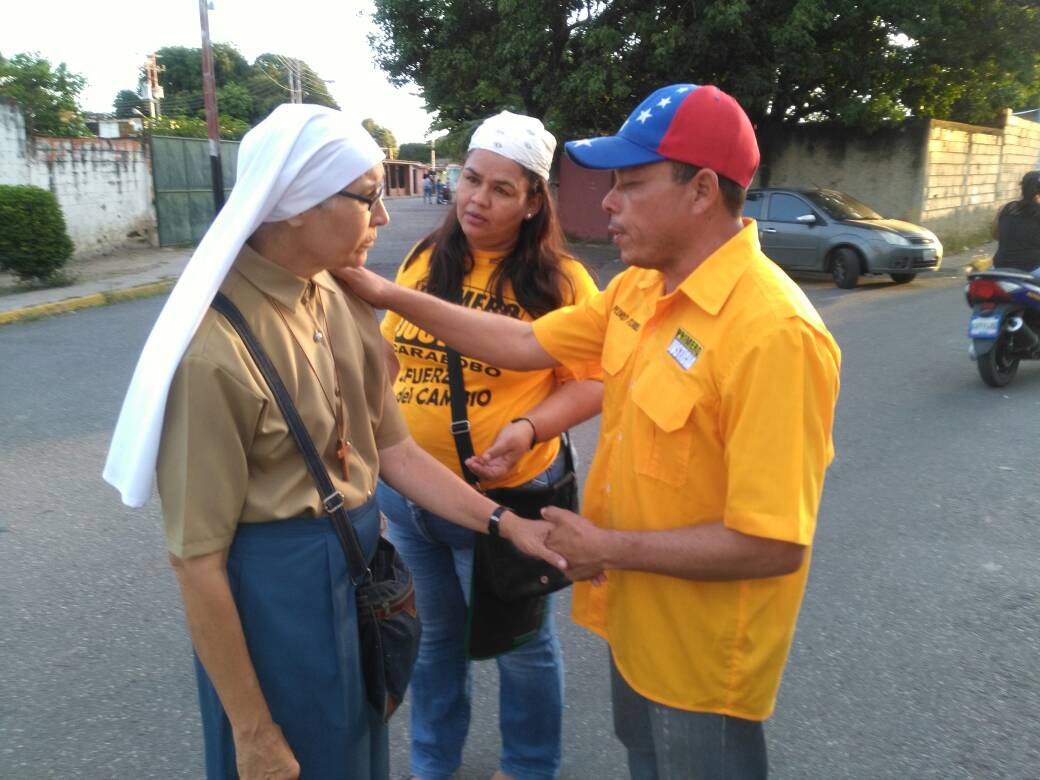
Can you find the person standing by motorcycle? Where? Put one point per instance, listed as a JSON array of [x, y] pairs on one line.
[[1017, 228]]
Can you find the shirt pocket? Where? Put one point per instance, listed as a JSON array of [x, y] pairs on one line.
[[618, 345], [665, 396]]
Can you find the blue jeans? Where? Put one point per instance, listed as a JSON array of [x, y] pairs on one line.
[[665, 743], [440, 555]]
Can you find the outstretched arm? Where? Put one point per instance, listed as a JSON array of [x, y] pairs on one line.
[[570, 403], [710, 551], [492, 338], [417, 475]]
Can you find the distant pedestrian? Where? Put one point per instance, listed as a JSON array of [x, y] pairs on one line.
[[427, 188]]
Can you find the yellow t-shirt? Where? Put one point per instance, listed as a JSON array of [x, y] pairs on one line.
[[495, 395], [719, 404]]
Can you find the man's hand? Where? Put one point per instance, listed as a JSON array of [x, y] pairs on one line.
[[263, 754], [579, 541], [528, 536], [370, 287], [509, 446]]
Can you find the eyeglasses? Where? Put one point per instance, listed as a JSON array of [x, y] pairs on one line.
[[370, 202]]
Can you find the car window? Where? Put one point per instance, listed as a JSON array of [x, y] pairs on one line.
[[841, 206], [753, 205], [787, 208]]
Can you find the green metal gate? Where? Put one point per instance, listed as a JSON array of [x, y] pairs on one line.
[[184, 187]]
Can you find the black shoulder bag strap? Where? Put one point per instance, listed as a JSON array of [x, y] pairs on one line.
[[460, 427], [459, 419], [331, 499]]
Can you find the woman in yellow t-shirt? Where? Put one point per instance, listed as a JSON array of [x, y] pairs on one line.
[[501, 249]]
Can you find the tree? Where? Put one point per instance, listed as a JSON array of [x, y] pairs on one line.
[[581, 65], [420, 152], [382, 136], [246, 92], [47, 95], [235, 100], [126, 101], [192, 127], [269, 85]]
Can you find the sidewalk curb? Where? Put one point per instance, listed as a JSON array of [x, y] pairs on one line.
[[41, 310]]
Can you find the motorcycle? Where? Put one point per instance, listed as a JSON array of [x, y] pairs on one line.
[[1005, 322]]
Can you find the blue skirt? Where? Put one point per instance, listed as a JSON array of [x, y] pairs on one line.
[[296, 602]]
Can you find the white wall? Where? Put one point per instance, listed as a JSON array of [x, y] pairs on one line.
[[14, 168], [104, 186], [972, 171]]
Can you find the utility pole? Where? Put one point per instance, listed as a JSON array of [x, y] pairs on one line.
[[153, 92], [295, 83], [209, 91]]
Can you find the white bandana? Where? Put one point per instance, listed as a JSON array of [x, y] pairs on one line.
[[293, 160], [522, 139]]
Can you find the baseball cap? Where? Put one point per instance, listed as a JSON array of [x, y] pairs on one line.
[[698, 125]]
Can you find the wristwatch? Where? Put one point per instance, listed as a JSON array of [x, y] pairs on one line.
[[495, 519]]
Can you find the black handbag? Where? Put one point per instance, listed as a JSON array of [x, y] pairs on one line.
[[509, 588], [388, 622]]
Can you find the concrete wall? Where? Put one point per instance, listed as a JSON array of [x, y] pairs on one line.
[[884, 169], [971, 171], [104, 186], [14, 167], [947, 176]]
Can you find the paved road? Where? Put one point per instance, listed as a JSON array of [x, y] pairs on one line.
[[918, 648]]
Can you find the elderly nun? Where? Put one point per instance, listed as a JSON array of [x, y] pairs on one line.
[[269, 605]]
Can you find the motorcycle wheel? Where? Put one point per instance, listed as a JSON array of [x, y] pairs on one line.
[[903, 278], [996, 368]]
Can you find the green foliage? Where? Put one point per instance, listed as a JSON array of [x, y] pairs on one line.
[[269, 85], [182, 68], [34, 244], [231, 129], [382, 136], [235, 101], [582, 65], [246, 92], [47, 95], [452, 146], [126, 101], [420, 152]]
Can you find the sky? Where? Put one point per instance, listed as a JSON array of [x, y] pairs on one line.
[[107, 43]]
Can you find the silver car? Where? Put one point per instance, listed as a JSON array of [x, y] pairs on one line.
[[827, 230]]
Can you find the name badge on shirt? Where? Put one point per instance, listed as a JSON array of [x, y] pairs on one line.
[[685, 349]]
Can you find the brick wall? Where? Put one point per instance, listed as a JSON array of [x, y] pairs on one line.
[[104, 186], [947, 176], [971, 171], [579, 196]]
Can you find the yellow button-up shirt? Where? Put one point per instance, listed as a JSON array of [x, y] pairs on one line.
[[719, 404]]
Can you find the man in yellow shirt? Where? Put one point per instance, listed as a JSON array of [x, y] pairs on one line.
[[720, 384]]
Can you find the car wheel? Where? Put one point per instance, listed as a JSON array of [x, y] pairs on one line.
[[845, 268], [903, 278], [996, 368]]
